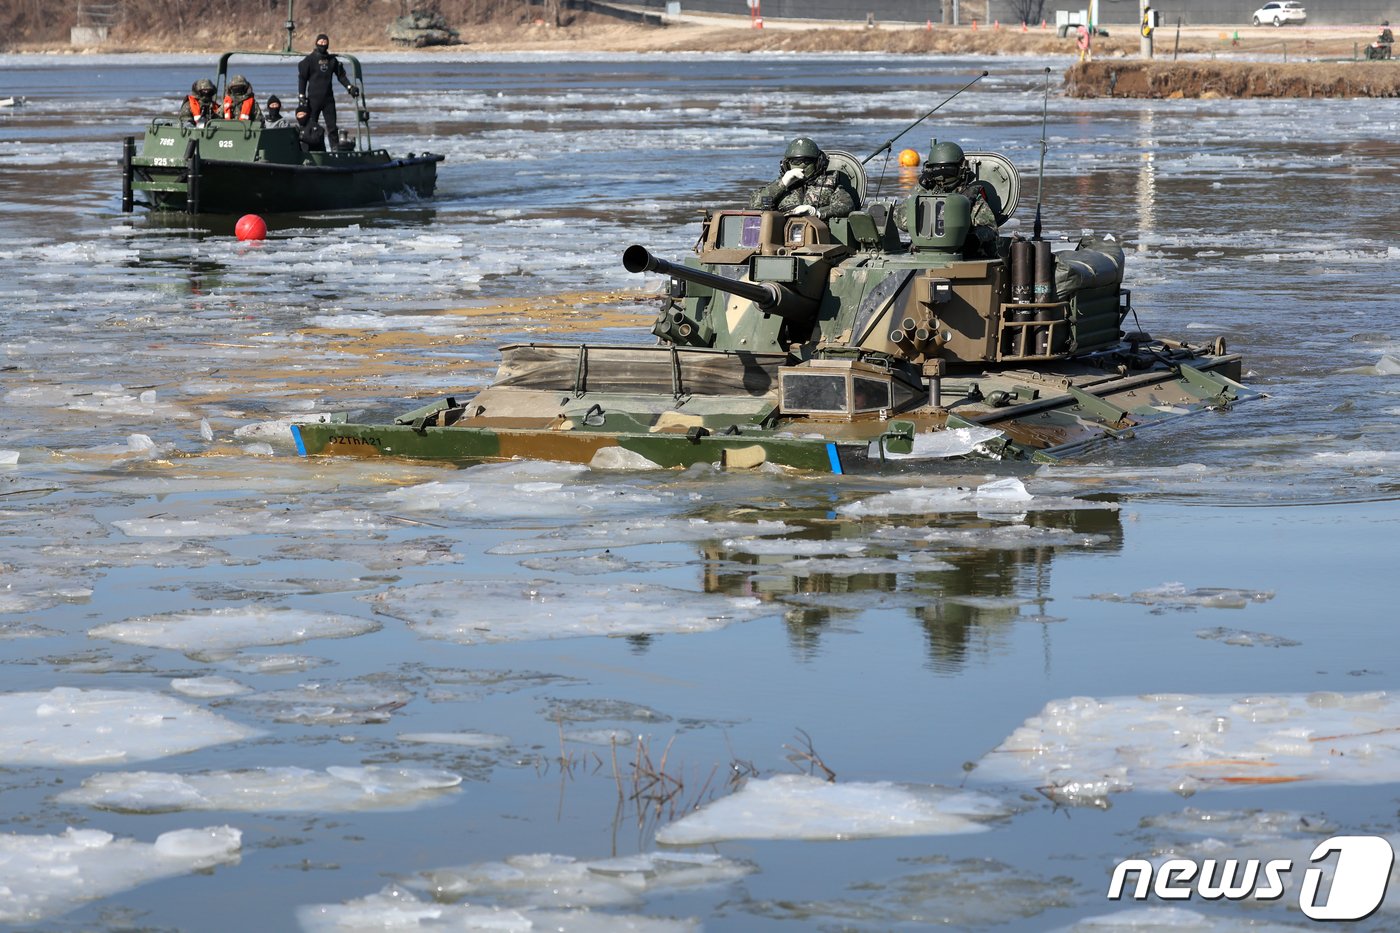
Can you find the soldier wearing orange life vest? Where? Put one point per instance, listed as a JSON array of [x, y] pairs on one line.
[[239, 103], [199, 106]]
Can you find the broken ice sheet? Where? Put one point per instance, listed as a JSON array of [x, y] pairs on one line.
[[585, 565], [852, 566], [1007, 495], [995, 537], [212, 633], [483, 611], [965, 894], [44, 876], [799, 806], [66, 726], [24, 589], [1080, 750], [1238, 825], [351, 702], [529, 489], [562, 711], [1174, 920], [562, 881], [397, 909], [199, 522], [1177, 596], [209, 687], [1243, 639], [619, 534], [418, 552], [476, 740], [266, 790]]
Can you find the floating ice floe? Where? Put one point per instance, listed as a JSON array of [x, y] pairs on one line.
[[248, 521], [479, 740], [1080, 750], [273, 663], [620, 534], [939, 445], [1243, 639], [1174, 920], [66, 726], [218, 632], [798, 806], [30, 589], [266, 790], [532, 489], [44, 876], [397, 909], [851, 566], [561, 881], [605, 737], [351, 702], [1177, 596], [1008, 495], [594, 710], [590, 564], [208, 688], [418, 552], [483, 611]]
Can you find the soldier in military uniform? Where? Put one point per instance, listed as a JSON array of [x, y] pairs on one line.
[[199, 107], [239, 102], [946, 172], [806, 185]]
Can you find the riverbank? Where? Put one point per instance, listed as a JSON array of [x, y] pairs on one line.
[[1218, 61], [1215, 79]]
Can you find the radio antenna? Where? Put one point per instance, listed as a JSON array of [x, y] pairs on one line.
[[889, 143], [1040, 186]]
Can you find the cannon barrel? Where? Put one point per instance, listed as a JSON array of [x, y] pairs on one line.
[[769, 297]]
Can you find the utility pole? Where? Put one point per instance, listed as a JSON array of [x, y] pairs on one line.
[[1146, 21]]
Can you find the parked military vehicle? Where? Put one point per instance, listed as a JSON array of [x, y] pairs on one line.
[[241, 166], [421, 28], [836, 346]]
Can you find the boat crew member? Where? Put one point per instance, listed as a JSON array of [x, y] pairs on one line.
[[946, 171], [314, 91], [199, 105], [273, 116], [313, 138], [807, 185], [239, 103]]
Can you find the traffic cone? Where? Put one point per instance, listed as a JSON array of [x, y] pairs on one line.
[[974, 25], [1023, 25], [1044, 26], [928, 26], [996, 25]]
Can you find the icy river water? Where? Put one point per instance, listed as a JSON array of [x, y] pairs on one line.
[[242, 690]]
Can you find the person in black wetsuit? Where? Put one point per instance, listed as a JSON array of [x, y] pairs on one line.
[[314, 85]]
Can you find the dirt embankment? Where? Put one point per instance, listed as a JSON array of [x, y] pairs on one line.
[[1212, 79], [496, 26]]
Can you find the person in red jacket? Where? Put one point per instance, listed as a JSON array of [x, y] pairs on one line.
[[199, 106], [239, 103]]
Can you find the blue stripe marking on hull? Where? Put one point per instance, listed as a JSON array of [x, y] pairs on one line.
[[296, 436], [834, 456]]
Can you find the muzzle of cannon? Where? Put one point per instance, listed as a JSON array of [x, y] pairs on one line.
[[768, 297]]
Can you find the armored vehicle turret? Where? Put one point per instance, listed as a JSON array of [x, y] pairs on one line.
[[904, 332]]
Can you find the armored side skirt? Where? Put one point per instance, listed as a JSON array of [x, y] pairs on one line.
[[1033, 425]]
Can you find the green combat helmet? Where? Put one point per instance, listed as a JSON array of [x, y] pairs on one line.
[[944, 166], [238, 85], [203, 88], [804, 148]]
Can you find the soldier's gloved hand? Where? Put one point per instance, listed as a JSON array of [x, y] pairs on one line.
[[792, 176], [354, 91], [803, 210], [303, 102]]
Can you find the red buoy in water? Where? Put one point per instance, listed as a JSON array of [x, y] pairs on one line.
[[250, 227]]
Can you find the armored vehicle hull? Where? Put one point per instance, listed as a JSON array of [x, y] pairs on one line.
[[240, 166], [837, 346]]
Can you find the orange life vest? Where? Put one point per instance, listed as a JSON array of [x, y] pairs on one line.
[[245, 109], [196, 110]]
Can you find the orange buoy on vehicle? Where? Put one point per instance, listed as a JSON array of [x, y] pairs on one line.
[[250, 227], [909, 157]]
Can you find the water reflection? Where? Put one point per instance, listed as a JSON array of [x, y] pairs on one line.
[[961, 578]]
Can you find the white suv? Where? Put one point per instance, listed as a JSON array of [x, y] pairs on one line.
[[1278, 12]]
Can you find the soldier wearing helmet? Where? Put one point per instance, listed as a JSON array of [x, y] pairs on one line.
[[239, 103], [199, 106], [806, 185], [946, 172]]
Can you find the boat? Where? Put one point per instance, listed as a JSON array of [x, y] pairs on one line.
[[836, 346], [241, 166]]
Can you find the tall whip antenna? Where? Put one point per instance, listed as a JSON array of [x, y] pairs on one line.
[[889, 143], [1040, 186]]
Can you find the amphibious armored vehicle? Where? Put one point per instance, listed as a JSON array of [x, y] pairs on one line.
[[241, 166], [836, 346]]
